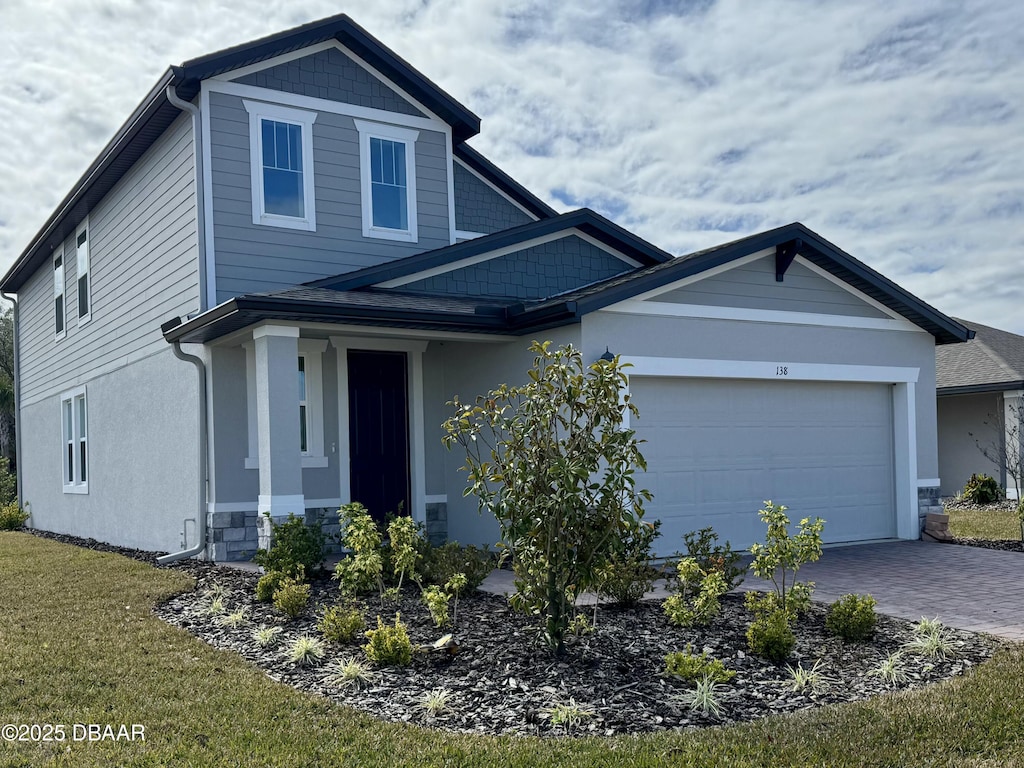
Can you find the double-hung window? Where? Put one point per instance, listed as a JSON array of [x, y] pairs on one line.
[[74, 414], [281, 163], [82, 265], [387, 169], [59, 315]]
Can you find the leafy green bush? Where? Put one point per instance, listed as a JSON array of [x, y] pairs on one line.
[[628, 575], [268, 584], [439, 564], [770, 636], [982, 489], [852, 617], [389, 645], [12, 517], [779, 559], [696, 601], [294, 544], [362, 570], [403, 540], [8, 483], [291, 597], [564, 526], [341, 623], [437, 599], [690, 667], [703, 547]]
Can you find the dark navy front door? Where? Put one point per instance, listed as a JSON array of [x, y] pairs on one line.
[[379, 431]]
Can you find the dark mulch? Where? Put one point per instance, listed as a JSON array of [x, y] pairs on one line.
[[502, 681], [1007, 545]]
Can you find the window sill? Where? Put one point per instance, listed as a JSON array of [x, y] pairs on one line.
[[380, 233], [308, 462], [79, 489], [285, 222]]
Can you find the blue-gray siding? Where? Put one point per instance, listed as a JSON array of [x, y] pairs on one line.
[[533, 273], [252, 258], [753, 286], [144, 270], [331, 75], [478, 208]]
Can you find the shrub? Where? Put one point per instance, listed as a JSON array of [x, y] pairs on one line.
[[295, 545], [779, 559], [696, 601], [291, 597], [852, 617], [341, 623], [362, 570], [690, 667], [628, 576], [12, 517], [389, 645], [437, 600], [403, 538], [703, 547], [982, 489], [770, 636], [439, 564], [563, 526], [8, 483], [268, 584]]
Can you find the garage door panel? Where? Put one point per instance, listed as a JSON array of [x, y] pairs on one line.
[[717, 448]]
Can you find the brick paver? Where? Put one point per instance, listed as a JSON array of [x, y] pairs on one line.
[[981, 590], [977, 589]]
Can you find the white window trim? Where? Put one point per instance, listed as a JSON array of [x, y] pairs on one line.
[[63, 332], [312, 350], [76, 485], [83, 227], [259, 111], [369, 130]]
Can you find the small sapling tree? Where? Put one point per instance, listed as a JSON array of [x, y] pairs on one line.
[[553, 463]]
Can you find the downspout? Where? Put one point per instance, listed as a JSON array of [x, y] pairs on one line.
[[200, 519], [17, 397], [203, 462]]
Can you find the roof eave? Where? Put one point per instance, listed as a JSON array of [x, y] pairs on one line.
[[979, 389]]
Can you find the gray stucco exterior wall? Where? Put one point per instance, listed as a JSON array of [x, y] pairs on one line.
[[753, 286], [142, 437], [478, 208], [252, 258], [534, 273], [331, 75], [962, 423]]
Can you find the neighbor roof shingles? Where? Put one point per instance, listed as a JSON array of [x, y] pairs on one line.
[[992, 358]]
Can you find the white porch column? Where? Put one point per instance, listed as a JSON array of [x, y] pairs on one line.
[[1012, 403], [277, 420]]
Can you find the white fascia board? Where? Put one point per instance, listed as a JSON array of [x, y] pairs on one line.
[[776, 316]]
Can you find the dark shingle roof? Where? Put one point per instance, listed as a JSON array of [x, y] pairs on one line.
[[992, 360]]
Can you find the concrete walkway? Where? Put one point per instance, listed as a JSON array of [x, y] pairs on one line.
[[980, 590]]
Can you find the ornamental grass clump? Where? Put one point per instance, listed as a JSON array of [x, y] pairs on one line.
[[306, 651]]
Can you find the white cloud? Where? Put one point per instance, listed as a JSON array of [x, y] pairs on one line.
[[893, 132]]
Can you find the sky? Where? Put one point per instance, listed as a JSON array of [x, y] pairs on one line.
[[893, 129]]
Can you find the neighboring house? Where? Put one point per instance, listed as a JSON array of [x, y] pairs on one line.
[[980, 390], [262, 294]]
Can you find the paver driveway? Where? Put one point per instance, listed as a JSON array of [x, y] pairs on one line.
[[981, 590]]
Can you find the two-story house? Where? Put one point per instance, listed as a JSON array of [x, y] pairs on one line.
[[262, 293]]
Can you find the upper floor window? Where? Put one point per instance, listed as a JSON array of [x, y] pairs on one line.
[[74, 418], [281, 163], [387, 168], [82, 265], [58, 293]]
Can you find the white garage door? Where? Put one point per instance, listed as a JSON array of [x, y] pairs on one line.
[[716, 448]]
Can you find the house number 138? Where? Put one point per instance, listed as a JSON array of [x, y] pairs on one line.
[[782, 370]]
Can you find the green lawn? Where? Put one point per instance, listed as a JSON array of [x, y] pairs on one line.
[[983, 524], [78, 644]]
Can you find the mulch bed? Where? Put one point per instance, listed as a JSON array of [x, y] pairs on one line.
[[502, 682]]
